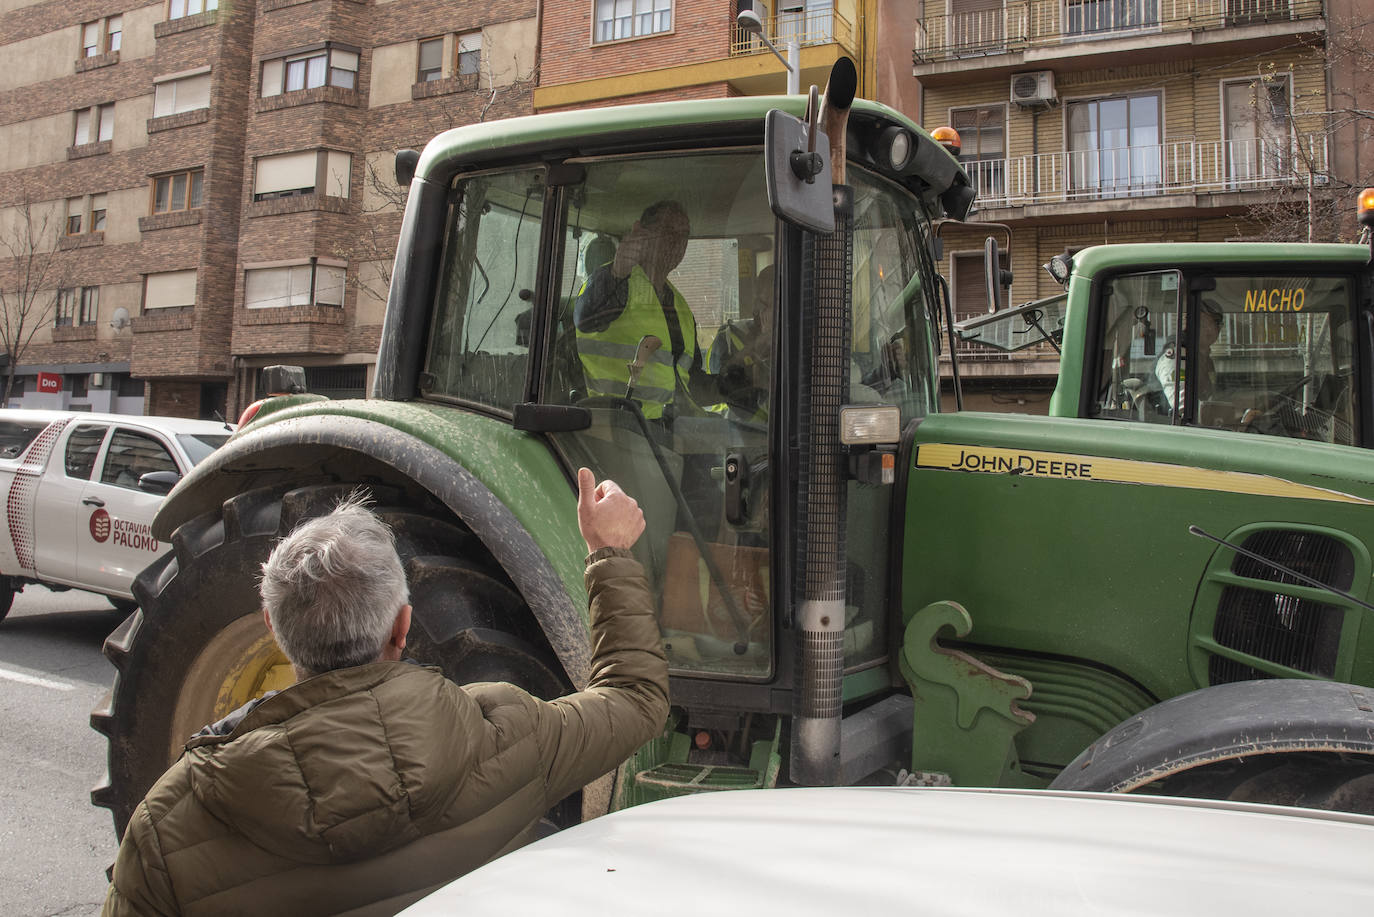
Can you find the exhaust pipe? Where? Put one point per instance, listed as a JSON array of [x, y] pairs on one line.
[[827, 269]]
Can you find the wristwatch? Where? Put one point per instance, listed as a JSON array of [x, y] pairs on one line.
[[603, 553]]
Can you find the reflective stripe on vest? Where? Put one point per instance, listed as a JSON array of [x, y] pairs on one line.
[[606, 355]]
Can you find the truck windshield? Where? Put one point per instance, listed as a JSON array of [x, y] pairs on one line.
[[1264, 352], [198, 446]]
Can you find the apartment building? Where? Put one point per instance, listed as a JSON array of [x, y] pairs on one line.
[[1091, 121], [209, 187], [616, 52]]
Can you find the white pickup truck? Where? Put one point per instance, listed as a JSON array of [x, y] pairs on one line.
[[80, 493]]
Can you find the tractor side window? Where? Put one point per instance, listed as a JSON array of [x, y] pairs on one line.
[[1275, 356], [83, 445], [479, 345], [1141, 362]]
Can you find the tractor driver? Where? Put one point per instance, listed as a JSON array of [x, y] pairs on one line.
[[631, 297]]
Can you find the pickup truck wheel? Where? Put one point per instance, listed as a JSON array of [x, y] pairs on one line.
[[197, 648]]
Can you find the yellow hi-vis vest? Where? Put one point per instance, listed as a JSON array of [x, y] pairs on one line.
[[607, 354]]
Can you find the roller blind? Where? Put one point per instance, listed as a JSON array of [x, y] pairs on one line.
[[186, 94], [336, 176], [172, 288], [289, 172]]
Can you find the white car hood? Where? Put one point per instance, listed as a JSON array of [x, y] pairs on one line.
[[932, 852]]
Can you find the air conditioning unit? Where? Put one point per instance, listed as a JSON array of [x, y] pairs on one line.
[[1033, 89], [97, 380]]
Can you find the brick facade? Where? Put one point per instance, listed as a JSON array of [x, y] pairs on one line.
[[191, 355]]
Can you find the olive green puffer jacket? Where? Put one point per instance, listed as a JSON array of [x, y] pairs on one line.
[[360, 790]]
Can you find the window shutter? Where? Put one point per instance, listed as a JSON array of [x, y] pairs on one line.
[[337, 174], [271, 78], [290, 172], [266, 288], [171, 288]]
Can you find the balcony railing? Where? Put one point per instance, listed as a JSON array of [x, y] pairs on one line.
[[808, 27], [1022, 24], [1185, 166]]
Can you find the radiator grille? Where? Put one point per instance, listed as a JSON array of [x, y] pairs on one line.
[[1300, 633]]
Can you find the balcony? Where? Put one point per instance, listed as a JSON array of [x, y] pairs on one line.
[[1029, 31], [1143, 172], [806, 28]]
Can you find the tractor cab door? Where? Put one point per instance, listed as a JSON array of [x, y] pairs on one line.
[[663, 332]]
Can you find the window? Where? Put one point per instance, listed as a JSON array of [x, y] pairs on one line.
[[294, 285], [169, 289], [470, 54], [126, 386], [179, 8], [983, 132], [431, 61], [104, 122], [1087, 16], [301, 173], [101, 36], [101, 117], [81, 385], [334, 65], [82, 448], [616, 19], [178, 191], [66, 307], [90, 305], [186, 93], [1114, 145], [132, 455], [976, 24], [77, 306], [90, 39], [1259, 148], [76, 208], [97, 222], [807, 22]]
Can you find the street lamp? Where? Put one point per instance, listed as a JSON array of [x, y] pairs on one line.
[[749, 21]]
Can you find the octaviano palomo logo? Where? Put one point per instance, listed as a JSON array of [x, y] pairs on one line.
[[100, 525]]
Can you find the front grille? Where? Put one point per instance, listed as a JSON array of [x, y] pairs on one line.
[[1321, 557], [1298, 633]]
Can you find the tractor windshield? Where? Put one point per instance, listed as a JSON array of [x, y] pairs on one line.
[[661, 315], [1263, 352]]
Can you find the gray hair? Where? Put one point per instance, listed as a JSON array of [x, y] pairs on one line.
[[332, 588]]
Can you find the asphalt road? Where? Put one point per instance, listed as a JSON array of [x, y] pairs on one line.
[[54, 845]]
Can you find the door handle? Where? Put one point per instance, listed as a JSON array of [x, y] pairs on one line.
[[736, 489], [93, 501]]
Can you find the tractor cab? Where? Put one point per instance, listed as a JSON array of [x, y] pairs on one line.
[[672, 385]]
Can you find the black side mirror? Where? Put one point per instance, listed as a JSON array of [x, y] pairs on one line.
[[996, 279], [158, 482], [406, 161]]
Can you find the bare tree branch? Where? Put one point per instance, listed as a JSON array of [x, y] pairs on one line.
[[32, 271]]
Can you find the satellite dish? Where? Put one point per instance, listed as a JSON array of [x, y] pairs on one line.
[[120, 321]]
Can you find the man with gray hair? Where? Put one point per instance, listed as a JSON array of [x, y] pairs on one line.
[[371, 782]]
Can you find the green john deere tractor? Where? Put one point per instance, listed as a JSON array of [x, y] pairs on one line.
[[852, 587]]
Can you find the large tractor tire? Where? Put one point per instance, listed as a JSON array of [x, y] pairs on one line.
[[197, 648], [1313, 780], [1287, 742]]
